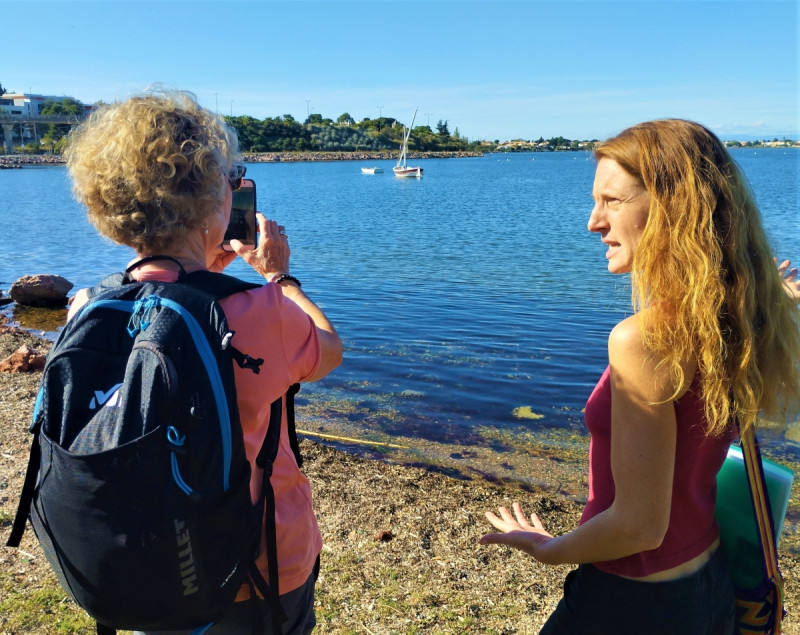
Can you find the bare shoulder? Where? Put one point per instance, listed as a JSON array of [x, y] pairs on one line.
[[626, 338], [637, 366]]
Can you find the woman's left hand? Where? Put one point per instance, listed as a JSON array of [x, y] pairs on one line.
[[518, 531]]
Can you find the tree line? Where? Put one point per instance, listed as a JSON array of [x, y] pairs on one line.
[[284, 134], [315, 133]]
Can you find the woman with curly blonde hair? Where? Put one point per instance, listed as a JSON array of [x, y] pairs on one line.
[[715, 337], [150, 169], [156, 173]]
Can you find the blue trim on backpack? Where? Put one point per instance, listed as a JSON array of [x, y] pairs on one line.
[[175, 439], [176, 475], [37, 405], [202, 629], [210, 363]]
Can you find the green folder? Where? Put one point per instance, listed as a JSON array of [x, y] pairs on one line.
[[736, 518]]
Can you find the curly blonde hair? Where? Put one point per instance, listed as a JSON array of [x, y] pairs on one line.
[[151, 168], [705, 266]]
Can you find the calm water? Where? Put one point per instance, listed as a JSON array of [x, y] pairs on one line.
[[460, 297]]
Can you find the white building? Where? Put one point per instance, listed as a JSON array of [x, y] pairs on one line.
[[31, 105], [26, 108]]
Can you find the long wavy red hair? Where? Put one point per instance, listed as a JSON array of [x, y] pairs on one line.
[[705, 264]]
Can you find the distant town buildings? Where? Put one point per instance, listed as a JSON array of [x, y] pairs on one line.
[[19, 113], [559, 144], [30, 105], [556, 144], [775, 143]]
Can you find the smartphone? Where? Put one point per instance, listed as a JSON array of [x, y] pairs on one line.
[[242, 223]]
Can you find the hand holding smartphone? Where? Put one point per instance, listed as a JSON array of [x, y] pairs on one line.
[[242, 223]]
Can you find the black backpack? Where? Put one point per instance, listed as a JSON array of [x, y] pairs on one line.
[[138, 486]]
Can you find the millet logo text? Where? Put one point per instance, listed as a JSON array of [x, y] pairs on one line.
[[185, 558]]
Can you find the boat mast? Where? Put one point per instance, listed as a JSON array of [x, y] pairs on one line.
[[406, 134], [401, 162], [412, 120]]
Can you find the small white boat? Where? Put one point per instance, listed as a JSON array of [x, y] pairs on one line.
[[415, 172], [371, 170], [401, 169]]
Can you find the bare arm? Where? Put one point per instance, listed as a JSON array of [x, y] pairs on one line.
[[643, 441]]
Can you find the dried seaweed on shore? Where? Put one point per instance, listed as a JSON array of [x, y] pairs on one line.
[[401, 551]]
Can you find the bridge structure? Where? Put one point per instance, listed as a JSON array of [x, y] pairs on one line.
[[8, 122]]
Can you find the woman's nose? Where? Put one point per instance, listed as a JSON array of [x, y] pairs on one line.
[[596, 220]]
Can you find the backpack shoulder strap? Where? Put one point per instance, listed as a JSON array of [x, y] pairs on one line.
[[113, 281], [26, 497], [265, 460], [126, 277], [290, 424], [219, 285]]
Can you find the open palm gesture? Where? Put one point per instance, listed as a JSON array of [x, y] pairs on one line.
[[517, 531]]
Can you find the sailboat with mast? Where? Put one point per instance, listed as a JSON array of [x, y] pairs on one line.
[[402, 170]]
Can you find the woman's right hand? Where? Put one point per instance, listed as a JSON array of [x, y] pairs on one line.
[[517, 531], [271, 257], [791, 280]]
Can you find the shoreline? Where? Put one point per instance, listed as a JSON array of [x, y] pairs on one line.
[[400, 550], [11, 161], [17, 161]]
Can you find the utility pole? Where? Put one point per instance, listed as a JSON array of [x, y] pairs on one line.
[[231, 107], [429, 115], [308, 109], [216, 101], [380, 109]]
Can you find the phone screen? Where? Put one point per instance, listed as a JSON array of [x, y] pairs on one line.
[[242, 223]]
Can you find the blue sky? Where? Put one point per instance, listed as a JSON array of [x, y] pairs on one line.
[[492, 69]]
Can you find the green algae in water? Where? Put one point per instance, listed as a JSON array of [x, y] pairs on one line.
[[526, 412], [32, 318]]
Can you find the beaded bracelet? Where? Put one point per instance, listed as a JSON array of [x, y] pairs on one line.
[[286, 276]]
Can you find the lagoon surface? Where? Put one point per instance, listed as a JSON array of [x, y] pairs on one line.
[[474, 304]]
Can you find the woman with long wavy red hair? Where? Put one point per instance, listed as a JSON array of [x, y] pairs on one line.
[[714, 337]]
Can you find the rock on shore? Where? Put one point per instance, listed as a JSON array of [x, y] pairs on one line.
[[42, 290]]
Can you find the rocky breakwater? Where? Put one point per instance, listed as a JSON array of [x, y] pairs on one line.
[[11, 161], [296, 157]]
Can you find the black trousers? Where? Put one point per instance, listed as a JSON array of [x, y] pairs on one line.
[[599, 603]]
